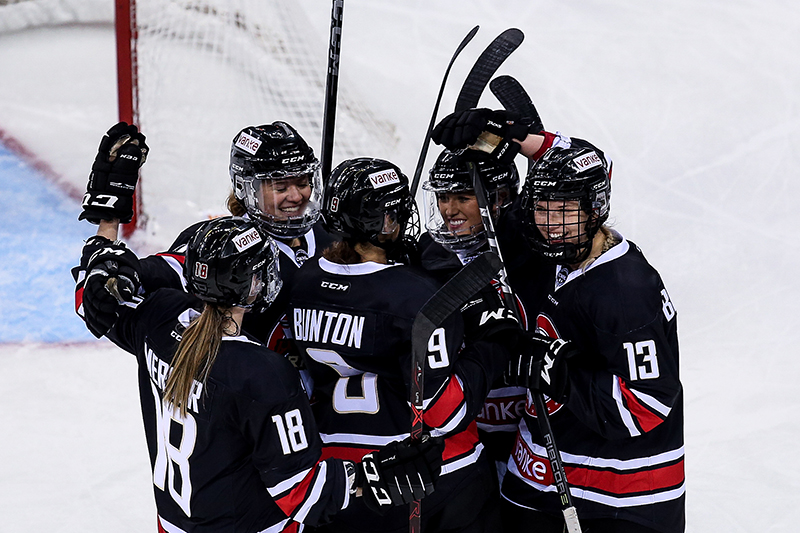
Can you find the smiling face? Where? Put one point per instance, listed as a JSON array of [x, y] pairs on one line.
[[284, 198], [561, 221], [460, 212]]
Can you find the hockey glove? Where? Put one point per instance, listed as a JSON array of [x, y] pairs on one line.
[[400, 473], [112, 182], [482, 129], [541, 365], [113, 278], [486, 317]]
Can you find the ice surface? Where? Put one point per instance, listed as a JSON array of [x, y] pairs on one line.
[[698, 104]]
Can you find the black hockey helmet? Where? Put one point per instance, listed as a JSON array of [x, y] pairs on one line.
[[275, 157], [232, 261], [563, 175], [366, 198], [450, 174]]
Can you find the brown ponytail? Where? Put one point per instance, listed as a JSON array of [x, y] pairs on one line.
[[196, 353], [235, 206]]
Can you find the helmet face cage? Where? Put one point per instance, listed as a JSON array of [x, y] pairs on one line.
[[565, 201], [450, 176], [232, 261], [277, 177], [368, 198]]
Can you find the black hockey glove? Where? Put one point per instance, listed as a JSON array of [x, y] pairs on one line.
[[463, 128], [541, 365], [400, 473], [112, 278], [486, 317], [115, 171]]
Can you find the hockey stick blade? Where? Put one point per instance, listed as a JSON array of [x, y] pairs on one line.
[[512, 96], [487, 64], [426, 143], [450, 297]]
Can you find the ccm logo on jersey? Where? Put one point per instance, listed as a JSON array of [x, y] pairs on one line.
[[588, 161], [246, 239], [383, 178], [332, 285], [248, 143]]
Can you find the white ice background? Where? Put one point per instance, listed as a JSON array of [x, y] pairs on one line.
[[696, 101]]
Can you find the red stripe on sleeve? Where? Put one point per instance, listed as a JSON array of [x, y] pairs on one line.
[[78, 298], [179, 258], [295, 497], [462, 443], [448, 403], [646, 418], [546, 144]]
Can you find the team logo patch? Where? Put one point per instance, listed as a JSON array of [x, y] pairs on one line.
[[246, 239], [384, 178], [590, 160], [201, 271], [248, 143]]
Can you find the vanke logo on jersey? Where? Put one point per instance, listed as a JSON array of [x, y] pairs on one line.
[[316, 325]]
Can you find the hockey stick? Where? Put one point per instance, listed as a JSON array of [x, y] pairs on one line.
[[486, 65], [476, 275], [512, 96], [331, 88], [424, 152], [542, 416]]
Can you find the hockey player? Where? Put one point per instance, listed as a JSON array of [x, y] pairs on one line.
[[607, 325], [609, 362], [208, 392], [352, 311], [275, 182], [455, 233]]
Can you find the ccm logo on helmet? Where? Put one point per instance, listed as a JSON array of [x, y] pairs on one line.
[[248, 143], [384, 178], [293, 159], [246, 240], [588, 161]]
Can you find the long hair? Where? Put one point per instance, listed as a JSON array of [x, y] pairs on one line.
[[235, 206], [342, 252], [197, 351]]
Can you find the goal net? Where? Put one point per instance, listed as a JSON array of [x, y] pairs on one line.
[[204, 69], [198, 71]]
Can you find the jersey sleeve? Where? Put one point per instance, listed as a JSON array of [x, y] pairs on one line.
[[165, 269], [639, 385], [454, 390], [287, 455]]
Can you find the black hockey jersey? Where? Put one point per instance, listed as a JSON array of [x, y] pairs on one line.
[[620, 432], [503, 408], [352, 324], [247, 455]]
